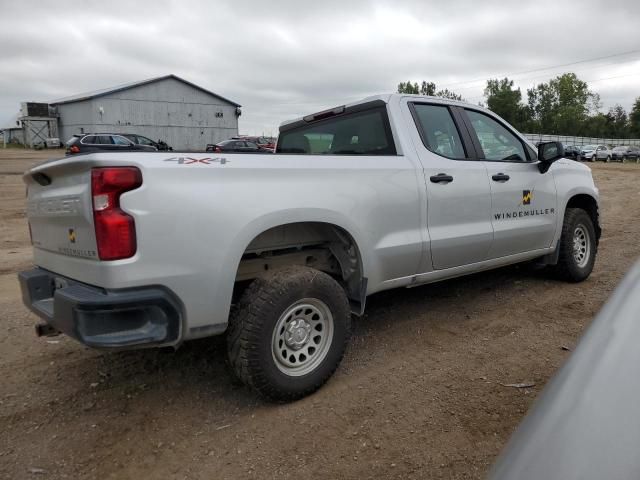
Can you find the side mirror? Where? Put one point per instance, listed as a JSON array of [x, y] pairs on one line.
[[549, 152]]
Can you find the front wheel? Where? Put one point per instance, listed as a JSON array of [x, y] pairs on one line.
[[607, 159], [578, 246], [593, 158], [288, 333]]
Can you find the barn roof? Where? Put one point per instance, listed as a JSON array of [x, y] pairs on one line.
[[106, 91]]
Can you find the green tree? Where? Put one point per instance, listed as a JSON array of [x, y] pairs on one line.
[[634, 119], [506, 101], [408, 87], [562, 105], [427, 88], [618, 122], [595, 126]]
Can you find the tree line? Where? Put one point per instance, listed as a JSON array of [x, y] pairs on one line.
[[562, 106]]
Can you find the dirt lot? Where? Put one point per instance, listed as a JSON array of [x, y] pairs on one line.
[[418, 395]]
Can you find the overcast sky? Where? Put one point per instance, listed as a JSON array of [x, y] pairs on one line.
[[283, 59]]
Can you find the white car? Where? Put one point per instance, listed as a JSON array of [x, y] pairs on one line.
[[592, 153]]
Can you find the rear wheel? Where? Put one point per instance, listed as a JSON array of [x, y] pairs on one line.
[[289, 332], [578, 246]]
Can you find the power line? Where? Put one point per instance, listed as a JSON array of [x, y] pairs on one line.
[[595, 59], [523, 72], [545, 75]]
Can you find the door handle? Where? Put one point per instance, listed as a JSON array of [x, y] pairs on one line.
[[500, 177], [441, 178]]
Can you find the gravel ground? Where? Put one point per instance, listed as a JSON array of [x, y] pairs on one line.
[[419, 393]]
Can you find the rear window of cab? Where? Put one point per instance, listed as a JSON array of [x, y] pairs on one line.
[[360, 133]]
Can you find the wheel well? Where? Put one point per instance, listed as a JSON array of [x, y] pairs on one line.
[[589, 205], [319, 245]]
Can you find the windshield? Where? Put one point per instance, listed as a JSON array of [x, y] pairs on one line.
[[620, 149], [589, 147]]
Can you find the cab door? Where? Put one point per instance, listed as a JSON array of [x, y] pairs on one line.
[[523, 200], [457, 188]]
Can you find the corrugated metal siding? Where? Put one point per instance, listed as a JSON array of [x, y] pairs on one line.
[[170, 110]]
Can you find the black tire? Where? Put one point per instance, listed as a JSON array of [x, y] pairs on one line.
[[593, 158], [252, 338], [568, 267], [608, 159]]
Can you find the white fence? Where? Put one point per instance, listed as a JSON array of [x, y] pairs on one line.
[[580, 141]]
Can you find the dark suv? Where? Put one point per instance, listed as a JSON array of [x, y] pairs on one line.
[[140, 140], [239, 146], [263, 142], [624, 153], [572, 151], [104, 142]]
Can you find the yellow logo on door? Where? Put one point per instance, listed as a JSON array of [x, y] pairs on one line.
[[72, 235], [527, 196]]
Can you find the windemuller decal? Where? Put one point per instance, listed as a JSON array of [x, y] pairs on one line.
[[525, 200]]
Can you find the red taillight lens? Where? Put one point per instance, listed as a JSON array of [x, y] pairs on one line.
[[115, 229], [74, 149], [217, 149]]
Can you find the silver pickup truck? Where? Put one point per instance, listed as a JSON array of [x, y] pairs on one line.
[[277, 251]]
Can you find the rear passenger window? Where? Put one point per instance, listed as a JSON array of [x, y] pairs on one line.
[[89, 140], [496, 141], [118, 140], [438, 130], [103, 140], [361, 133]]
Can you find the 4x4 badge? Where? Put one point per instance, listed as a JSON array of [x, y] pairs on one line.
[[191, 161]]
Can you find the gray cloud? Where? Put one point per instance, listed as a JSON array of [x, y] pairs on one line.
[[287, 58]]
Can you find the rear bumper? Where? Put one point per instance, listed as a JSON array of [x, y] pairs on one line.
[[101, 318]]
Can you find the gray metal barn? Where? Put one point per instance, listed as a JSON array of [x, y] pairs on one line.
[[167, 108]]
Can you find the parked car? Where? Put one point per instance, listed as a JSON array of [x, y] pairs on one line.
[[572, 151], [239, 146], [53, 142], [624, 153], [592, 153], [100, 142], [263, 142], [297, 243], [140, 140]]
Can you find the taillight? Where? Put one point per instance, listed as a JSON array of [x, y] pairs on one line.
[[217, 149], [74, 149], [115, 229]]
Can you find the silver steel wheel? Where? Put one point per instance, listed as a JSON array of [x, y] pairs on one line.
[[302, 337], [581, 246]]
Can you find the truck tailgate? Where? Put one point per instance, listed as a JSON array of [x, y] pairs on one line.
[[59, 208]]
